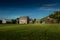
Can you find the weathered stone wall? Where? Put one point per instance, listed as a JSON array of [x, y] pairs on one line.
[[23, 20]]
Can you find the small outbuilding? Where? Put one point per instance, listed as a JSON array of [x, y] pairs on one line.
[[3, 21]]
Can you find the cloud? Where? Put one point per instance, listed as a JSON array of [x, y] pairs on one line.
[[46, 8], [50, 5]]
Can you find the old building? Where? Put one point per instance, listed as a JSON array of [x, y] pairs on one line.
[[3, 21], [8, 21], [17, 21], [24, 20], [50, 20], [37, 21], [30, 21]]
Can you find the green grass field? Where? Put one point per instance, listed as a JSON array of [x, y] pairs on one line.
[[30, 32]]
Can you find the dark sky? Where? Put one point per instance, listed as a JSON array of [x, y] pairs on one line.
[[33, 8]]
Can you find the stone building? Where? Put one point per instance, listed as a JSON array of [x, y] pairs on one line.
[[8, 21], [3, 21], [50, 20], [24, 20], [37, 21], [30, 21], [17, 20]]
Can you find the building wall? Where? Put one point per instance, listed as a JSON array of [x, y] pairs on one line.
[[50, 20], [23, 20], [3, 21], [38, 21]]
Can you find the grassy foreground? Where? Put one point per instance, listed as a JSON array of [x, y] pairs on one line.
[[30, 32]]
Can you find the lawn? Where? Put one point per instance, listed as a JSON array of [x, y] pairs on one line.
[[29, 31]]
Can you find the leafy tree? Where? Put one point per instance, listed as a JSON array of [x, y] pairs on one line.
[[34, 21], [0, 21], [17, 20], [55, 15], [14, 21]]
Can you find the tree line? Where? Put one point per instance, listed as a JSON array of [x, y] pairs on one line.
[[55, 15]]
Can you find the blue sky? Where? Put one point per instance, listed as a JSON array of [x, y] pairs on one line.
[[12, 9]]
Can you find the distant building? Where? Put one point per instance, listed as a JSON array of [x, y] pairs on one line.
[[24, 20], [38, 21], [43, 22], [9, 21], [30, 21], [17, 20], [50, 20], [4, 21]]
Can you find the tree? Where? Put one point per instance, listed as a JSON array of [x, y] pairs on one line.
[[55, 15], [17, 20], [0, 21], [13, 21], [34, 21]]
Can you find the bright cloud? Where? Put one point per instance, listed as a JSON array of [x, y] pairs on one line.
[[50, 5]]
